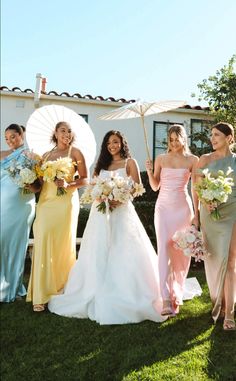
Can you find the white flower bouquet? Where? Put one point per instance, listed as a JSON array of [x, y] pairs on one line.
[[57, 169], [215, 189], [116, 188], [24, 170], [190, 242]]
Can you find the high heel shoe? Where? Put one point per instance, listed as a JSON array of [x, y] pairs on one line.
[[38, 307], [175, 308], [229, 325], [167, 308]]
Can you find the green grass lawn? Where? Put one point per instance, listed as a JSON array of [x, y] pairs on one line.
[[43, 346]]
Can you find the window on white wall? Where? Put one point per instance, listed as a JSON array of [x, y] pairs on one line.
[[160, 130], [85, 116], [199, 127]]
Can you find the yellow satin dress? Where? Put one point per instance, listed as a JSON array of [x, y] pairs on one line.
[[54, 251]]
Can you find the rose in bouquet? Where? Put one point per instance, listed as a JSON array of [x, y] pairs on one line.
[[24, 170], [214, 189], [116, 188], [57, 169], [190, 242]]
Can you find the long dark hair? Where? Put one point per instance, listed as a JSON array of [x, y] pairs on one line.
[[105, 158]]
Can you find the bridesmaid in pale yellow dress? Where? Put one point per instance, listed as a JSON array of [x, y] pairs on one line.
[[220, 235], [55, 225]]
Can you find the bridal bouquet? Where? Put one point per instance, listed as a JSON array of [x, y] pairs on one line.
[[57, 169], [215, 189], [24, 170], [116, 188], [190, 242]]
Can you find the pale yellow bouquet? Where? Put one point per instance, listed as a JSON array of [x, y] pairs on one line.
[[57, 169]]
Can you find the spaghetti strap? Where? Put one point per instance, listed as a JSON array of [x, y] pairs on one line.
[[69, 151], [126, 162], [48, 154]]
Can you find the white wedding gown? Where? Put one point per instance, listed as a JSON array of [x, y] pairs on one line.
[[115, 279]]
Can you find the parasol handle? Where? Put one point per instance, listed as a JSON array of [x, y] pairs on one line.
[[145, 138]]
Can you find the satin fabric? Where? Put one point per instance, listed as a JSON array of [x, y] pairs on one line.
[[115, 279], [173, 211], [217, 236], [54, 251], [17, 214]]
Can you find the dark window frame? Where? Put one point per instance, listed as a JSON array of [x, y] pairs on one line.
[[168, 124], [85, 117], [204, 123]]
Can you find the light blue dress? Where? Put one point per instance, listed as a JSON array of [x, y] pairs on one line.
[[17, 214]]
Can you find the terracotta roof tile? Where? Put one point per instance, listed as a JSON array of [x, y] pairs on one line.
[[88, 96]]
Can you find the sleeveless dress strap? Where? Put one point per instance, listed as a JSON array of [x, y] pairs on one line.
[[48, 154], [69, 151], [126, 162]]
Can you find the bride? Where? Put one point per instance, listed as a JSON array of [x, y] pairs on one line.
[[115, 279]]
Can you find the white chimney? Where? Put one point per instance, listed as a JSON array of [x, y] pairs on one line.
[[38, 88]]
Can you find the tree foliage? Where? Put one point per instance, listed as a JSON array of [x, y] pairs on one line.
[[219, 91]]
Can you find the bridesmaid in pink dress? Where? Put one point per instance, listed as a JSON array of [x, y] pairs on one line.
[[174, 211]]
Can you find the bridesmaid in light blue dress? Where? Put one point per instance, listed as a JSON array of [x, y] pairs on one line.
[[17, 214]]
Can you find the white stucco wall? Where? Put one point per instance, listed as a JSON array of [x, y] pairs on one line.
[[16, 107]]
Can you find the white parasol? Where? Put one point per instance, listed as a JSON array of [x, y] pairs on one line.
[[140, 109], [41, 125]]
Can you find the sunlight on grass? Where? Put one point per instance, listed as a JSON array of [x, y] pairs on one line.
[[89, 356], [47, 347]]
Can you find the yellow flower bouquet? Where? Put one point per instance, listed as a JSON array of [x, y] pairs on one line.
[[57, 169]]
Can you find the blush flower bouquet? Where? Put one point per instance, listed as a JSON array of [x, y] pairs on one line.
[[190, 242], [116, 188], [215, 189], [57, 169], [24, 170]]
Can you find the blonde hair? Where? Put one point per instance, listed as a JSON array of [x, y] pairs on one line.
[[180, 131]]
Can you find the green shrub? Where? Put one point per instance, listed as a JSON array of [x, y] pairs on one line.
[[149, 195], [145, 211], [83, 218]]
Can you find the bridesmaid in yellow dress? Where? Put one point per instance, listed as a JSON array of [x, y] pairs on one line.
[[55, 225], [220, 235]]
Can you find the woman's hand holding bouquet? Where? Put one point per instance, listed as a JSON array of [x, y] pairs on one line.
[[111, 192], [214, 190]]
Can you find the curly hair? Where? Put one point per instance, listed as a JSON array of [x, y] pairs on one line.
[[58, 125], [105, 158]]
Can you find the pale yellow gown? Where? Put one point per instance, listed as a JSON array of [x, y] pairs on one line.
[[217, 236], [54, 250]]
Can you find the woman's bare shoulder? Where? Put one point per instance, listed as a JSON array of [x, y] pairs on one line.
[[194, 158], [132, 161], [205, 159], [160, 158], [76, 152]]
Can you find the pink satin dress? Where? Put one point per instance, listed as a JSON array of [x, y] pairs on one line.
[[173, 211]]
